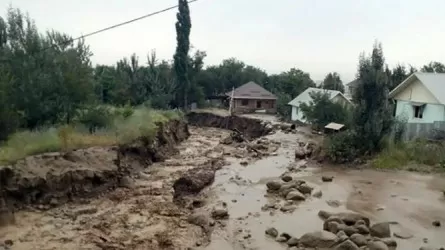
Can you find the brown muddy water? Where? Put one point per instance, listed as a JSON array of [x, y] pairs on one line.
[[142, 216], [412, 201]]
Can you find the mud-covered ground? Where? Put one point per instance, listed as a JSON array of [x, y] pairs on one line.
[[143, 215], [409, 202]]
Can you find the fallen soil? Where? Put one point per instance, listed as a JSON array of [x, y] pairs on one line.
[[50, 179]]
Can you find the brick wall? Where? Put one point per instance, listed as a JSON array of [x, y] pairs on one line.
[[251, 105]]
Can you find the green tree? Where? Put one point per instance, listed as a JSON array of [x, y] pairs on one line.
[[321, 111], [397, 76], [372, 117], [332, 81], [433, 67], [181, 59]]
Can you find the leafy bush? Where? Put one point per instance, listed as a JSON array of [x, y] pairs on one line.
[[342, 147], [418, 151], [95, 117], [322, 111]]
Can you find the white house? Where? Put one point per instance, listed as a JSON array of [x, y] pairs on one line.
[[297, 115], [420, 98]]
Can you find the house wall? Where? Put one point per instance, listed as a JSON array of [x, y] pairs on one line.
[[340, 99], [251, 106], [297, 115], [418, 93], [431, 112]]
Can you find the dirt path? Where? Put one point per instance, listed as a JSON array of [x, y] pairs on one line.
[[141, 216], [413, 201]]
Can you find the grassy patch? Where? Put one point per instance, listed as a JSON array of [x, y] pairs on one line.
[[141, 123], [399, 156]]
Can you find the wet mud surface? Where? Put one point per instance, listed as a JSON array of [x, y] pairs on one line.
[[143, 214], [411, 202]]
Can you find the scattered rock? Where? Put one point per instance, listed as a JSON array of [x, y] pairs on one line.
[[333, 203], [342, 236], [84, 210], [271, 231], [320, 239], [350, 230], [390, 242], [381, 230], [273, 185], [288, 208], [286, 178], [331, 226], [9, 243], [403, 235], [324, 215], [244, 163], [126, 182], [220, 213], [358, 239], [305, 189], [377, 245], [436, 223], [286, 235], [318, 194], [362, 229], [281, 239], [292, 242], [347, 245], [295, 196], [199, 219], [327, 178]]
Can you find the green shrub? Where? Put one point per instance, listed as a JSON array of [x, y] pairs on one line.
[[342, 147], [95, 117]]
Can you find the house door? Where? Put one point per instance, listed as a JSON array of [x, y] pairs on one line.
[[258, 104]]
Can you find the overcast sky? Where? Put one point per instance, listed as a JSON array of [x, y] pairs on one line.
[[317, 36]]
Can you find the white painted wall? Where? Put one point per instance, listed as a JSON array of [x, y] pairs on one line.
[[416, 92], [297, 115]]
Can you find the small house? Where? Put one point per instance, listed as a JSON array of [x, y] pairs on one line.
[[305, 97], [251, 97], [420, 98]]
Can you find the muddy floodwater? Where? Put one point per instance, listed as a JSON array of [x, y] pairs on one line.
[[143, 215], [410, 201]]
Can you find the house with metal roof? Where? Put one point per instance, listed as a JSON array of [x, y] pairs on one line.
[[420, 98], [305, 97], [251, 97]]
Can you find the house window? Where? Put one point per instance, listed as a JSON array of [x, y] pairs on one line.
[[244, 102], [418, 111], [258, 104]]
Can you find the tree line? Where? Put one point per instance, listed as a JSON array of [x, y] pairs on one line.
[[47, 79]]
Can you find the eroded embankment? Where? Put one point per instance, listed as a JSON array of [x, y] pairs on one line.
[[53, 178], [250, 128]]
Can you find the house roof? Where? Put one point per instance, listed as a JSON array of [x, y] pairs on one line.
[[251, 90], [306, 98], [434, 82], [352, 83]]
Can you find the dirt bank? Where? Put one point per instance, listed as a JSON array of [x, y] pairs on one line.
[[141, 215], [54, 178], [250, 128]]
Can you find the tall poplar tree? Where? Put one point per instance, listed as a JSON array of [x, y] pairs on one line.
[[181, 58]]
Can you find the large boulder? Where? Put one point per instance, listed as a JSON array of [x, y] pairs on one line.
[[359, 239], [320, 239], [295, 196], [271, 231], [193, 181], [305, 188], [347, 245], [381, 230], [377, 245], [273, 185]]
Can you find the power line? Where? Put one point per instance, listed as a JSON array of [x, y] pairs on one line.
[[115, 26]]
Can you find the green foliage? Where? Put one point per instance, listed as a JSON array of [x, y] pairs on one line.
[[95, 117], [401, 155], [181, 58], [342, 147], [434, 67], [372, 118], [333, 82], [283, 109], [322, 111]]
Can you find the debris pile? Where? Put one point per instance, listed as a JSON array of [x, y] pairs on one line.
[[342, 231]]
